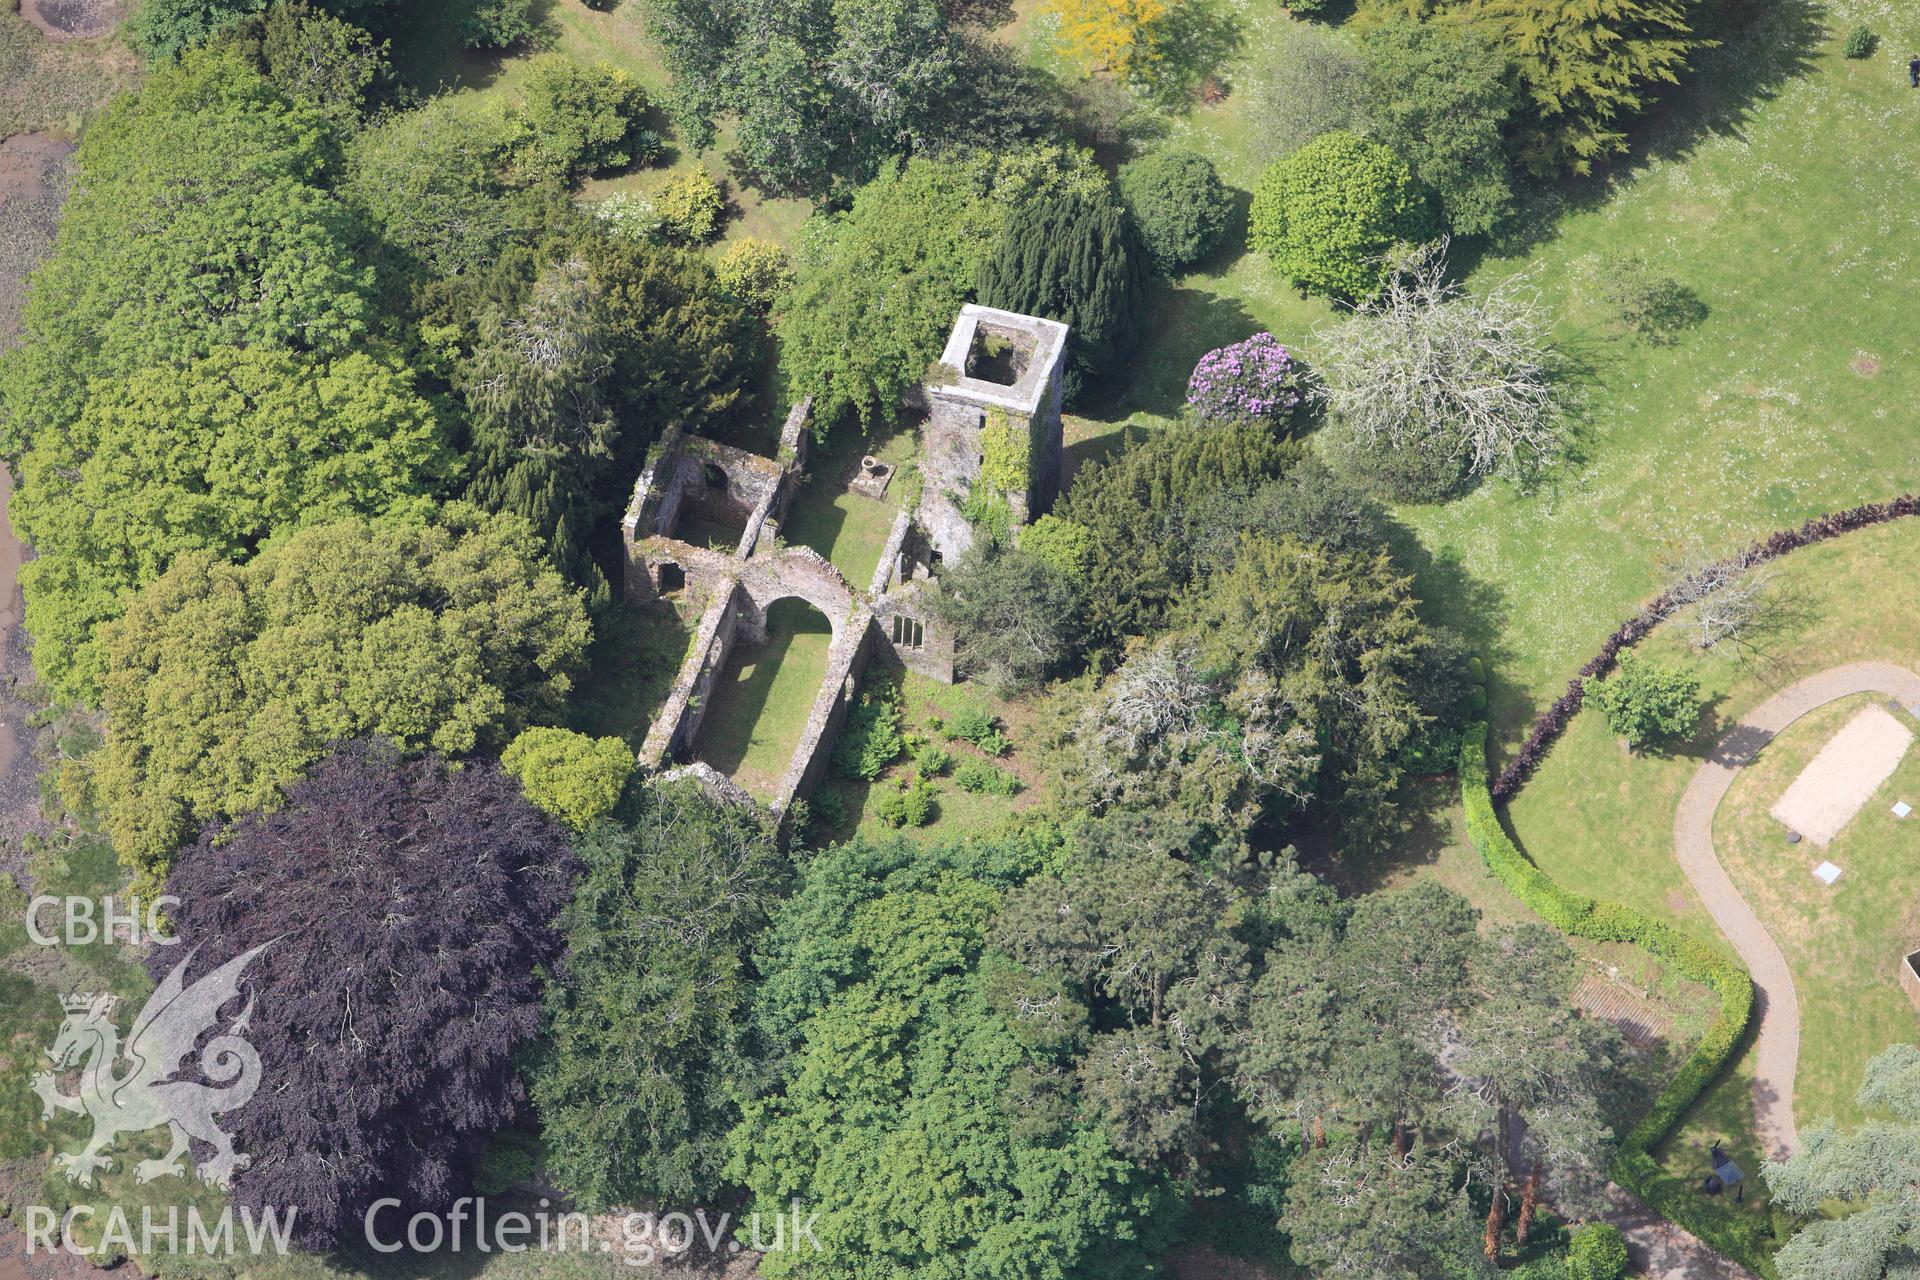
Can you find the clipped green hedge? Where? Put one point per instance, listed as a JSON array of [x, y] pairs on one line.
[[1584, 917]]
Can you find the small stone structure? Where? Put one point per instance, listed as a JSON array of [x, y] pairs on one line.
[[993, 413], [705, 518], [1910, 976]]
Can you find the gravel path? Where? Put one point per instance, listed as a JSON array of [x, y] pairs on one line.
[[1660, 1250], [1777, 1046]]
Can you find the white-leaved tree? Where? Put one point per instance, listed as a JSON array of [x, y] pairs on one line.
[[1466, 379], [1720, 599], [1873, 1169]]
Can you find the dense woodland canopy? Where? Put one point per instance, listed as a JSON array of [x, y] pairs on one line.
[[323, 466]]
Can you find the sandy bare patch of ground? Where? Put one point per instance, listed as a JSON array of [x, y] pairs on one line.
[[73, 19], [1837, 783], [33, 183]]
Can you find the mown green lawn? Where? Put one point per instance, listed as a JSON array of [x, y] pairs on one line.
[[1843, 941], [762, 696], [1600, 821], [1777, 187]]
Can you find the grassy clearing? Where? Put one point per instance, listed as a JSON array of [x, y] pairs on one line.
[[635, 654], [761, 698], [1775, 187], [427, 53], [1842, 942]]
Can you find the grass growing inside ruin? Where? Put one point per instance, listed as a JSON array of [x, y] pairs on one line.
[[848, 528], [761, 699]]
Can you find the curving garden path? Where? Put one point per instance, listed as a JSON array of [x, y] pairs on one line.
[[1777, 1044]]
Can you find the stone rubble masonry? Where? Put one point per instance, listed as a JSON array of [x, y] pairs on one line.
[[689, 477], [957, 406], [717, 784]]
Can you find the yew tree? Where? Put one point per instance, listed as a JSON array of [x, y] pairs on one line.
[[636, 1084], [1078, 259]]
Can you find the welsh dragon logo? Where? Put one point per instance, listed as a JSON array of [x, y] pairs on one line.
[[142, 1096]]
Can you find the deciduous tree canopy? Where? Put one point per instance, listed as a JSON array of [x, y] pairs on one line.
[[825, 91], [213, 455], [376, 967], [909, 1084], [1329, 214], [223, 681], [262, 254]]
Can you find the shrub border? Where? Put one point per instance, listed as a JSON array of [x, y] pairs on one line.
[[1582, 917], [1634, 1166], [1552, 722]]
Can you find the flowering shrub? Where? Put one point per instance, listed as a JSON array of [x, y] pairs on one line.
[[630, 215], [1251, 381]]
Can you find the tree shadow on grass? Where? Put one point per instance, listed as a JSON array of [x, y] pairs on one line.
[[1763, 46], [429, 55], [637, 651], [1197, 39], [1422, 830], [1187, 323]]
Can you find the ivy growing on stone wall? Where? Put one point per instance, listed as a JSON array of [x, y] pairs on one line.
[[987, 511], [1006, 444]]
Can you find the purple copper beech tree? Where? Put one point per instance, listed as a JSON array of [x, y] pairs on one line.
[[409, 910]]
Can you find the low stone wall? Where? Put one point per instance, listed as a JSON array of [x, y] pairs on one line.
[[795, 436], [717, 784], [678, 723], [897, 608], [654, 506], [703, 568]]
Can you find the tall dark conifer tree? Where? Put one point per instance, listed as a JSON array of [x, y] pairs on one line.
[[1079, 260]]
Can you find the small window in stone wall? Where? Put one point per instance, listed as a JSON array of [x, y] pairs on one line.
[[907, 633]]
